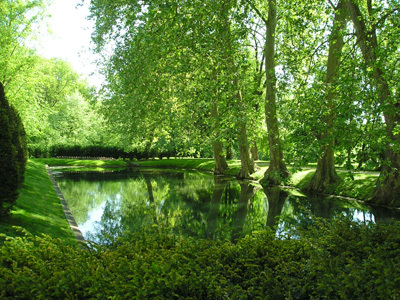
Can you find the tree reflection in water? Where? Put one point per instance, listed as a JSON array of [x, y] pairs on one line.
[[200, 205]]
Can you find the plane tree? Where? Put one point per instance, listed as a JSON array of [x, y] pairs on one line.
[[187, 54], [376, 27]]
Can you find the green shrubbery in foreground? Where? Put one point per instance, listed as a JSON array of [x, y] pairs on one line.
[[331, 260]]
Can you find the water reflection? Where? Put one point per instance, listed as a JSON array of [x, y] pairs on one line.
[[105, 205]]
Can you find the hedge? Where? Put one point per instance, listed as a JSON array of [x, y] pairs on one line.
[[329, 260], [9, 166], [96, 151]]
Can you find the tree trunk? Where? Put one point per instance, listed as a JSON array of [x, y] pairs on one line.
[[229, 154], [277, 170], [388, 186], [254, 151], [325, 175], [219, 159], [247, 163]]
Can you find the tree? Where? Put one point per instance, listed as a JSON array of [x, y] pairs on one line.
[[277, 170], [325, 173], [374, 53], [191, 64], [17, 19]]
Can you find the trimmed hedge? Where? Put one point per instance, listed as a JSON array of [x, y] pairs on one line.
[[96, 151], [11, 169], [19, 141], [335, 260]]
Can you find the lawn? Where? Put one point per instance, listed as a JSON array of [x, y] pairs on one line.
[[38, 208]]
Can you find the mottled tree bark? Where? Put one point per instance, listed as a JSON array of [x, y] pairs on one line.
[[219, 158], [247, 163], [277, 170], [254, 151], [325, 175], [229, 154]]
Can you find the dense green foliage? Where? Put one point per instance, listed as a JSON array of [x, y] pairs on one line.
[[13, 149], [348, 261], [55, 104], [323, 72], [19, 142], [245, 79], [8, 162]]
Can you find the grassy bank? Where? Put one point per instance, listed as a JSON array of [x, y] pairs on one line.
[[38, 208]]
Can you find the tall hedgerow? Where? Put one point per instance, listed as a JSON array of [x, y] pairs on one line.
[[18, 139], [8, 162]]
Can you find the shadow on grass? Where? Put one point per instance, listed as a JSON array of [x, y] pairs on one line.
[[38, 209], [305, 179]]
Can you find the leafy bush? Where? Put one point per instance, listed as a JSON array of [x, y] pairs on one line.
[[331, 260], [8, 158]]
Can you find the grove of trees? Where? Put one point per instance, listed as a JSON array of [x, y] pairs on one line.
[[319, 76], [292, 82]]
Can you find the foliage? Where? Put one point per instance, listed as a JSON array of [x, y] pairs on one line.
[[17, 23], [19, 142], [8, 158], [13, 154], [348, 260]]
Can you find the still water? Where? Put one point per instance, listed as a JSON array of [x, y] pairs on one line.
[[107, 204]]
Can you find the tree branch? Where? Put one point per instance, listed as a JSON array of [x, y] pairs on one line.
[[258, 12]]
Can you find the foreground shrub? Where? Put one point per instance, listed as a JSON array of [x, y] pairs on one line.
[[348, 261]]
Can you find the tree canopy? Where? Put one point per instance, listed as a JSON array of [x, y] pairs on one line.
[[285, 81]]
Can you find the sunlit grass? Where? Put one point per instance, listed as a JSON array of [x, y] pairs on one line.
[[356, 185], [79, 162], [38, 208]]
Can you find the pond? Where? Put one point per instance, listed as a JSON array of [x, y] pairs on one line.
[[107, 204]]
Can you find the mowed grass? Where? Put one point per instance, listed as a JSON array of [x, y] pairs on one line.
[[79, 162], [38, 208]]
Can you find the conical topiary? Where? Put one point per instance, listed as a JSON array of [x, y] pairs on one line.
[[8, 164]]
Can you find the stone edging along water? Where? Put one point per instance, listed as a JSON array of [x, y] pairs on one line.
[[70, 218]]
